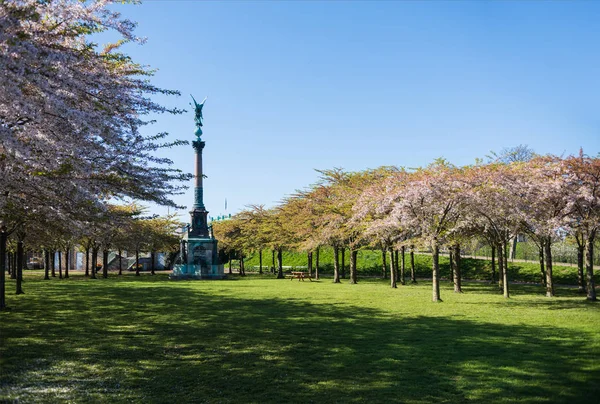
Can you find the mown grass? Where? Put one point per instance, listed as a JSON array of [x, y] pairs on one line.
[[259, 339], [369, 263]]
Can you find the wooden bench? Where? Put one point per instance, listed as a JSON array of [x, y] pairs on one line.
[[299, 275]]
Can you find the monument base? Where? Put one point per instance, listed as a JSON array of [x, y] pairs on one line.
[[201, 260]]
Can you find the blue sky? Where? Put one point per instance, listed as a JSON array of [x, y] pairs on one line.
[[301, 85]]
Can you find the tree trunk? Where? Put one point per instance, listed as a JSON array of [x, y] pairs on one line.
[[230, 263], [589, 267], [105, 263], [19, 268], [504, 271], [402, 265], [393, 282], [53, 264], [456, 270], [397, 265], [137, 262], [309, 262], [541, 258], [152, 259], [383, 263], [94, 261], [87, 261], [242, 269], [343, 274], [8, 261], [273, 259], [336, 264], [3, 238], [580, 272], [500, 267], [280, 264], [67, 260], [46, 264], [120, 262], [451, 259], [60, 265], [353, 271], [413, 276], [493, 263], [260, 270], [317, 264], [549, 283], [436, 272], [13, 272]]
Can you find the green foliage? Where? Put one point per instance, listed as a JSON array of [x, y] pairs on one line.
[[256, 339]]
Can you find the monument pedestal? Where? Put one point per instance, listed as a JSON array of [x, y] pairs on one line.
[[201, 260]]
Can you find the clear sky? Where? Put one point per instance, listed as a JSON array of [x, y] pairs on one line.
[[297, 85]]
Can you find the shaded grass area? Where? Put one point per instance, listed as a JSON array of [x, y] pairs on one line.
[[259, 339], [370, 263]]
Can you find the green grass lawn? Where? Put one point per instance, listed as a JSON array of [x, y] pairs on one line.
[[261, 340]]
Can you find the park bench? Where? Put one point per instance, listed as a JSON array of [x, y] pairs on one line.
[[300, 275]]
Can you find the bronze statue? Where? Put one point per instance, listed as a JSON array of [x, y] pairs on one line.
[[198, 115]]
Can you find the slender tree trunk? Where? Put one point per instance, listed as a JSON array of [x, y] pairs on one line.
[[317, 264], [580, 265], [230, 263], [87, 261], [3, 238], [504, 271], [19, 268], [46, 264], [67, 261], [393, 281], [260, 270], [413, 276], [13, 272], [402, 265], [53, 263], [309, 262], [242, 268], [120, 262], [505, 257], [451, 259], [137, 262], [152, 259], [397, 265], [493, 263], [336, 264], [343, 250], [280, 264], [500, 267], [273, 259], [541, 258], [383, 263], [436, 272], [353, 271], [589, 267], [456, 270], [8, 261], [60, 276], [105, 263], [94, 261], [549, 282]]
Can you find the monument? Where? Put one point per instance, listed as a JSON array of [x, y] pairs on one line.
[[198, 253]]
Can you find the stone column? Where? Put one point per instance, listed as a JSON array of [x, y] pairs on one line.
[[199, 215]]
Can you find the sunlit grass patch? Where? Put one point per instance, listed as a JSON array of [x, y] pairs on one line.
[[147, 339]]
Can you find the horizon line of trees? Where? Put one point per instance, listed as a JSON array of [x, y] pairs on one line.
[[396, 210]]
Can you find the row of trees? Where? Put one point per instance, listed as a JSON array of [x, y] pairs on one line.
[[393, 209], [74, 127]]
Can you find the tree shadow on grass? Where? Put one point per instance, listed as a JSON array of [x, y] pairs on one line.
[[115, 343]]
